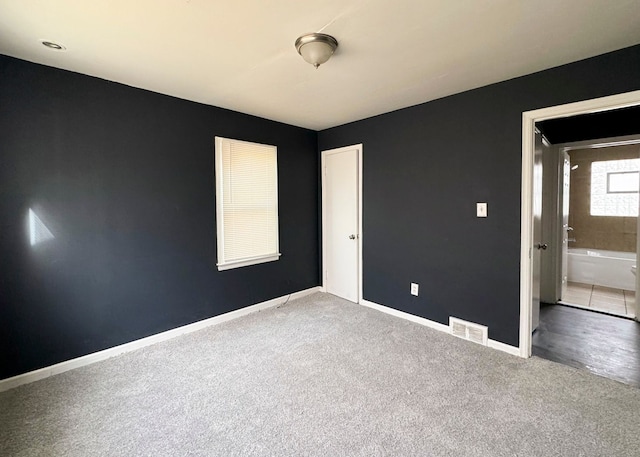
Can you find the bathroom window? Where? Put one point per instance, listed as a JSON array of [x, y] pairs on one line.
[[622, 182], [614, 187], [246, 203]]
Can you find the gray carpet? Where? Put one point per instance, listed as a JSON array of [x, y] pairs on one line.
[[320, 376]]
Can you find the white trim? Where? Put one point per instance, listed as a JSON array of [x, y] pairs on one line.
[[360, 176], [246, 262], [323, 154], [26, 378], [513, 350], [529, 118], [410, 317], [436, 326], [526, 237]]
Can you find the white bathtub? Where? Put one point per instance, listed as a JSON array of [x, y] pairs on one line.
[[602, 268]]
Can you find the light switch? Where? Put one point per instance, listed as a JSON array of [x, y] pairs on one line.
[[481, 209]]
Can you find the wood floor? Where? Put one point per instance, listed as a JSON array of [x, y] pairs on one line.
[[605, 345]]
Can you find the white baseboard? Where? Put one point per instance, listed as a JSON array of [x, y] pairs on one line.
[[436, 326], [410, 317], [25, 378], [493, 344]]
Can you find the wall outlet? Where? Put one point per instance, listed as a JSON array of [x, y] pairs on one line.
[[414, 289]]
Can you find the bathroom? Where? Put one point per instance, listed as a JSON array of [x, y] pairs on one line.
[[602, 231]]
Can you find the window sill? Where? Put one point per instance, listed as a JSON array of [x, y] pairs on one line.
[[246, 262]]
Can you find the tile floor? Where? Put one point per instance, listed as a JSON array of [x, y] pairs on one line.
[[613, 301]]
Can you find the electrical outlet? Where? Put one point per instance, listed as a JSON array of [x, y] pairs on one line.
[[414, 289]]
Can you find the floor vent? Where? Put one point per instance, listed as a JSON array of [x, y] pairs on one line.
[[469, 331]]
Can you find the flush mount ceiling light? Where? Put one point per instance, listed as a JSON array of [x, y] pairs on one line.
[[53, 45], [316, 48]]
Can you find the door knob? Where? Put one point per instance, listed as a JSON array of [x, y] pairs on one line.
[[352, 237], [542, 246]]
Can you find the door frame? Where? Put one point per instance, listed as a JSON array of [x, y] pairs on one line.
[[323, 154], [529, 119]]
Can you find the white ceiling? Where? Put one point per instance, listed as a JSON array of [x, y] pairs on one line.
[[240, 54]]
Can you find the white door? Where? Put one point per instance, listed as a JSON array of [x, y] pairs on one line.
[[566, 230], [537, 231], [341, 221]]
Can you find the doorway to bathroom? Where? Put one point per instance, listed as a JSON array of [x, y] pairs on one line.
[[590, 236], [591, 179], [603, 344], [599, 229], [627, 105]]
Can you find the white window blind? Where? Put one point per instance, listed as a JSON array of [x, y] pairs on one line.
[[246, 202]]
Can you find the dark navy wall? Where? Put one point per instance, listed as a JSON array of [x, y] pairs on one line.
[[124, 180], [425, 167]]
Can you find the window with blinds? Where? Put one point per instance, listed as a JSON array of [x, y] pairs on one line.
[[246, 203]]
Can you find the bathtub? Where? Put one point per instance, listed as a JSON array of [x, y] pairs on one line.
[[602, 268]]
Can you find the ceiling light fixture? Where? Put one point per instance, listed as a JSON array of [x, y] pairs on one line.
[[316, 48], [52, 45]]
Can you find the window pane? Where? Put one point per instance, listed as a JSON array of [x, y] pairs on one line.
[[607, 178], [623, 182]]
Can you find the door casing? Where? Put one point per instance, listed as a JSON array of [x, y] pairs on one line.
[[358, 148]]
